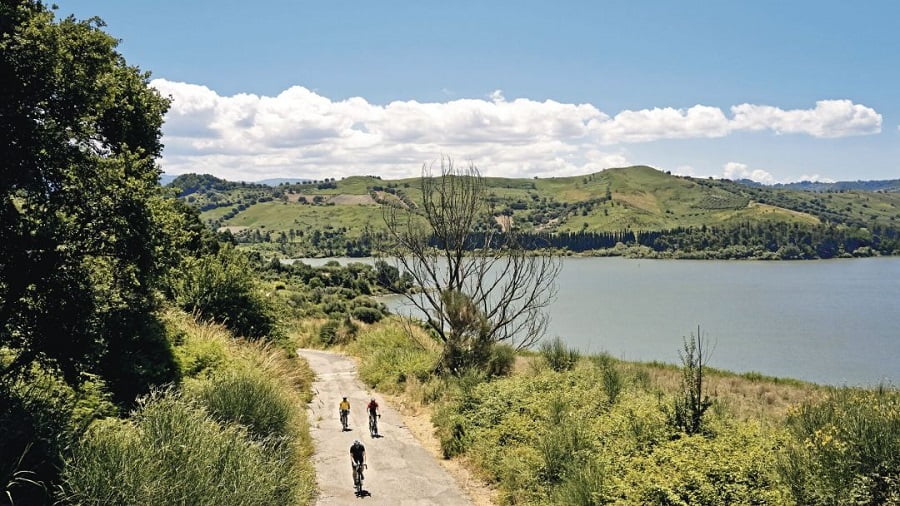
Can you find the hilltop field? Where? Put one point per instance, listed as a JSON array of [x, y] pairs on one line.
[[636, 211]]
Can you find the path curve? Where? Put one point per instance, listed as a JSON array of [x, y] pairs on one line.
[[401, 471]]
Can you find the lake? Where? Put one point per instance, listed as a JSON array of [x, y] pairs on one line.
[[833, 321]]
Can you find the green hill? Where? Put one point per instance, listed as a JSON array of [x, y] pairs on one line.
[[343, 216]]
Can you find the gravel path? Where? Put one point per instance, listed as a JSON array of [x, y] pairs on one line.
[[400, 471]]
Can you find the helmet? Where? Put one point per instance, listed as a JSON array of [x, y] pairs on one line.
[[345, 397], [356, 442]]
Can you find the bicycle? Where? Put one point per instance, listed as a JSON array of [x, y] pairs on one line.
[[373, 424], [344, 421], [358, 477]]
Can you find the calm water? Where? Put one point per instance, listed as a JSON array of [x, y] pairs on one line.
[[835, 321]]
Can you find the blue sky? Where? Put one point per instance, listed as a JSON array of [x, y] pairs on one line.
[[776, 91]]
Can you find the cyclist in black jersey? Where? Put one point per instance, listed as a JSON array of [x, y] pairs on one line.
[[358, 463]]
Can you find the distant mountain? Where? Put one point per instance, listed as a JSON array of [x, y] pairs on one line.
[[887, 185], [630, 205]]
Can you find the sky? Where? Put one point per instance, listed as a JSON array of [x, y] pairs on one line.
[[773, 91]]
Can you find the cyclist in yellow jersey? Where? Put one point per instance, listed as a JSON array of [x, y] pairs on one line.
[[344, 411]]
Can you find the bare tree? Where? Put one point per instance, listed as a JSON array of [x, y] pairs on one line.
[[480, 284]]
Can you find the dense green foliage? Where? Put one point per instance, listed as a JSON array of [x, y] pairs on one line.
[[890, 185], [392, 361], [40, 417], [331, 290], [558, 356], [249, 398], [90, 248], [87, 234], [222, 287]]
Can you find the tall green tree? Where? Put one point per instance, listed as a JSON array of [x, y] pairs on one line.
[[86, 233]]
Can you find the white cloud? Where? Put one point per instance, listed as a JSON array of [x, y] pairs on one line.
[[301, 133], [830, 118], [668, 123], [816, 178], [735, 170]]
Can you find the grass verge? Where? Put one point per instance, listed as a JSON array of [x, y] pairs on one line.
[[235, 433]]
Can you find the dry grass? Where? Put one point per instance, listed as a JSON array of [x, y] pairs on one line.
[[351, 200], [640, 200], [305, 333], [766, 209], [745, 396], [232, 229]]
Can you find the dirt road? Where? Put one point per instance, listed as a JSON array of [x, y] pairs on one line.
[[399, 471]]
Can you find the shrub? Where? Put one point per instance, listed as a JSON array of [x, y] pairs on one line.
[[172, 452], [558, 356], [501, 361], [367, 314], [691, 403], [201, 350], [737, 467], [452, 432], [612, 383], [846, 449], [349, 328], [328, 332], [561, 446], [585, 485], [221, 287]]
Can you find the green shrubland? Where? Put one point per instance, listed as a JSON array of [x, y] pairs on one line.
[[563, 429]]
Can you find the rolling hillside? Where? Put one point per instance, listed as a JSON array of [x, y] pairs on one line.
[[327, 216]]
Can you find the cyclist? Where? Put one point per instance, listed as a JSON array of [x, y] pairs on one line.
[[344, 409], [357, 463], [372, 407]]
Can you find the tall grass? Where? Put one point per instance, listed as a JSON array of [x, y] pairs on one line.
[[558, 356], [173, 452], [236, 434], [249, 398], [391, 358]]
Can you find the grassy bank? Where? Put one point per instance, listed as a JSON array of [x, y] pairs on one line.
[[595, 430], [234, 432]]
